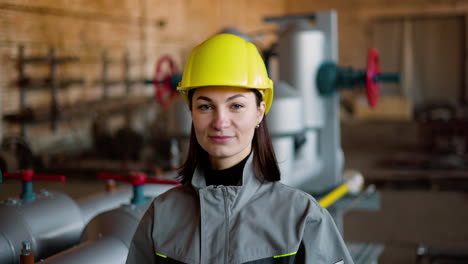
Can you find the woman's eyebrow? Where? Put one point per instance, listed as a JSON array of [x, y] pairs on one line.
[[204, 98], [234, 97], [201, 97]]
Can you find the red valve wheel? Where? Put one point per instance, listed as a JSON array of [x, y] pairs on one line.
[[28, 175], [373, 69], [162, 81], [136, 178]]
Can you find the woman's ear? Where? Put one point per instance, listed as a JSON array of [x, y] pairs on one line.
[[261, 112]]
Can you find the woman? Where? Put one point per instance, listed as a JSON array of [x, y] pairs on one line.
[[231, 207]]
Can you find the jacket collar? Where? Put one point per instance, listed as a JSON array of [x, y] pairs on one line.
[[242, 194]]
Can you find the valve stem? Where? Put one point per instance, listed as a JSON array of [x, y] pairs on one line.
[[27, 256]]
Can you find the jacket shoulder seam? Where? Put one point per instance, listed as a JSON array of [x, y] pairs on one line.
[[310, 217]]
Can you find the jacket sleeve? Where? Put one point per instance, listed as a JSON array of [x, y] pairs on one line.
[[322, 241], [141, 248]]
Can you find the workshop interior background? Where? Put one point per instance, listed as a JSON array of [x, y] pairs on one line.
[[87, 104]]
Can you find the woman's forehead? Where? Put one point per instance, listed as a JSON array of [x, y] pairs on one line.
[[221, 91]]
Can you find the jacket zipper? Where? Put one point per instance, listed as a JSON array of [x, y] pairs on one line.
[[226, 213]]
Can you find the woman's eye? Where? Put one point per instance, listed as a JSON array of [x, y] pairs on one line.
[[237, 106], [204, 107]]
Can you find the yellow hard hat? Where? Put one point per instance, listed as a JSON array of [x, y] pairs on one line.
[[226, 60]]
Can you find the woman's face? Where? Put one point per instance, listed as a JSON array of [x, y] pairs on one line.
[[225, 119]]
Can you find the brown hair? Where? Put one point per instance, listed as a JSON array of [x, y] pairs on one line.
[[265, 166]]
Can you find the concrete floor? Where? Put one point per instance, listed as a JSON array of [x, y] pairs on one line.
[[406, 219]]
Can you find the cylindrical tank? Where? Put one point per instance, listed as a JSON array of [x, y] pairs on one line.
[[104, 250], [103, 236], [93, 205], [301, 52], [51, 223], [285, 121], [110, 230], [120, 223], [7, 250]]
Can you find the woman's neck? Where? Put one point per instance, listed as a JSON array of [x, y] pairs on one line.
[[217, 163], [231, 176]]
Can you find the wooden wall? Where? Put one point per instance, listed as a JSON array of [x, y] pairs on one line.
[[146, 29], [355, 19], [149, 28]]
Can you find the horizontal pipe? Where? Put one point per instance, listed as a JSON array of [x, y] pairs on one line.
[[105, 250], [95, 204]]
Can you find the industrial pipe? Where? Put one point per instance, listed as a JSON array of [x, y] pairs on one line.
[[106, 239], [52, 221], [104, 250], [107, 236], [93, 205]]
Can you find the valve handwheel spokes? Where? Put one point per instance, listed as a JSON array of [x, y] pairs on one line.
[[162, 81]]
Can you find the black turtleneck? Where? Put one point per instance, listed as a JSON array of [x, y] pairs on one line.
[[230, 176]]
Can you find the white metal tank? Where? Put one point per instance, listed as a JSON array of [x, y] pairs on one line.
[[285, 121], [302, 48]]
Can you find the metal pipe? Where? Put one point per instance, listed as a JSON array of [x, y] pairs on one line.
[[93, 205], [104, 230], [105, 250], [51, 223], [104, 74], [7, 250], [54, 222], [54, 105], [22, 80], [126, 72]]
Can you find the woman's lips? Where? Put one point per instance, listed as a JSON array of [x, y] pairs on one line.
[[220, 139]]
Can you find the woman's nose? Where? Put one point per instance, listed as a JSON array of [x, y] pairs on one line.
[[220, 120]]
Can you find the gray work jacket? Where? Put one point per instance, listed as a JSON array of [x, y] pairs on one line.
[[255, 223]]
